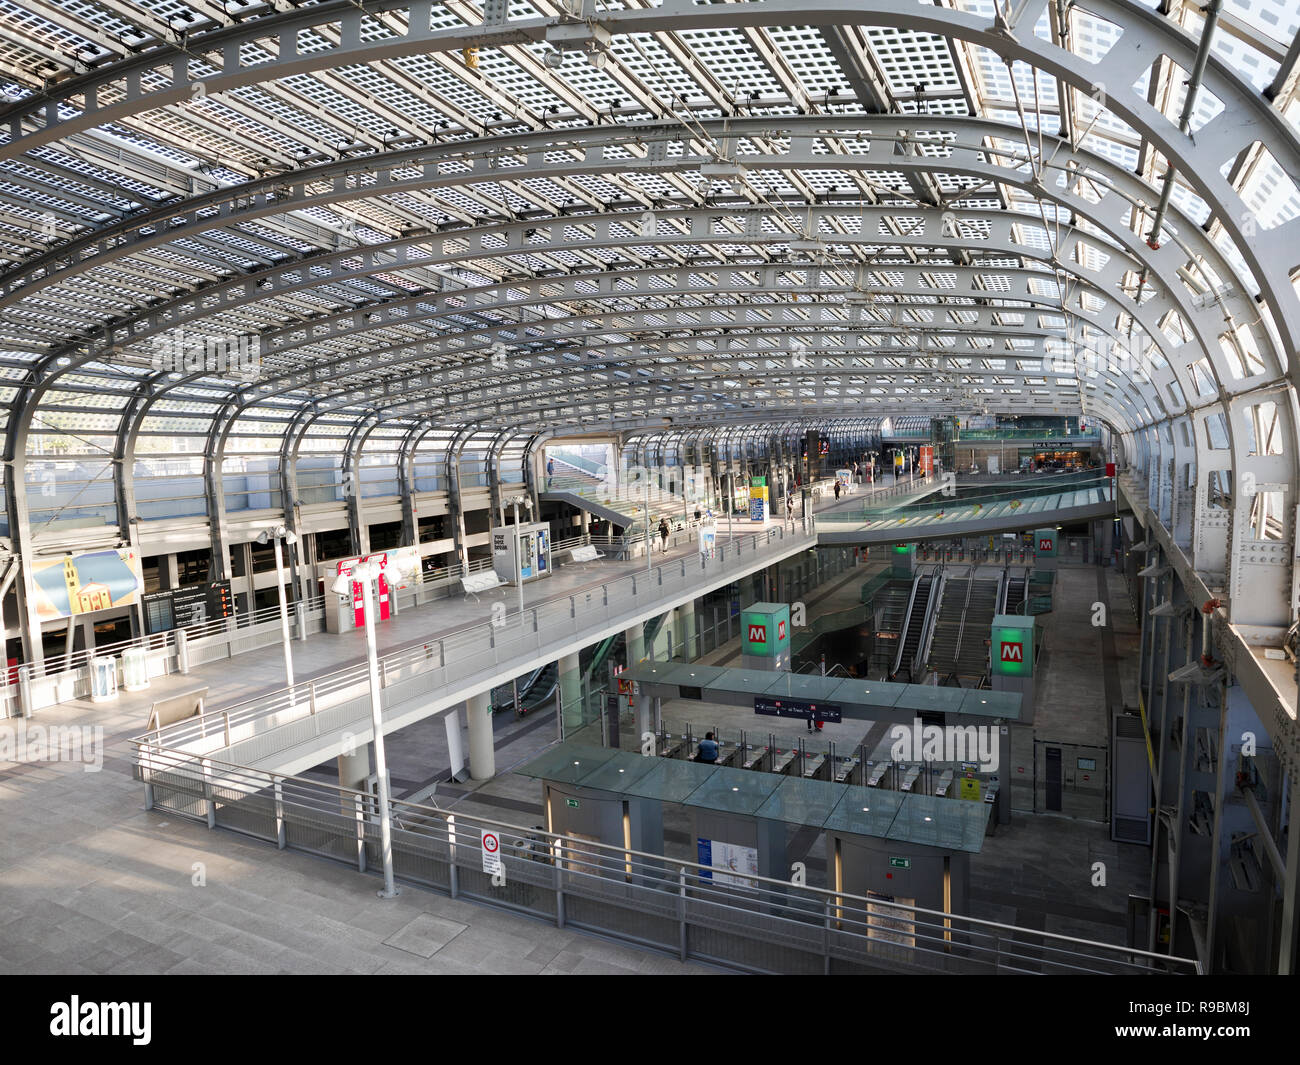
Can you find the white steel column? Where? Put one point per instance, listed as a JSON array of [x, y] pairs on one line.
[[482, 756]]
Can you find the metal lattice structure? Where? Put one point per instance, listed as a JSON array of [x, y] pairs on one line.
[[338, 242]]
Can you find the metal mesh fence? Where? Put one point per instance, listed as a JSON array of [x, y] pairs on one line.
[[753, 925]]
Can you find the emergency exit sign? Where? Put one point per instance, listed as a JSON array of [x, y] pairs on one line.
[[571, 802], [900, 863]]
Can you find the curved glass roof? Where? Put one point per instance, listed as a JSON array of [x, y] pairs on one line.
[[227, 224]]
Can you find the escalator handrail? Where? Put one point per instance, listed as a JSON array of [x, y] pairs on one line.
[[931, 620], [961, 625], [907, 617]]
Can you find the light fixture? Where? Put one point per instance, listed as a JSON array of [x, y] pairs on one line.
[[554, 59]]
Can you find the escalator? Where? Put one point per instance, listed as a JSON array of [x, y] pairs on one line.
[[889, 609], [1015, 592], [925, 593], [538, 689]]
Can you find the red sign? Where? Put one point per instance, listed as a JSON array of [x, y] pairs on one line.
[[1110, 469], [1013, 652], [382, 588], [780, 630], [927, 460], [758, 634], [1044, 545]]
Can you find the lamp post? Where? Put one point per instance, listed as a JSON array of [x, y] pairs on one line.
[[649, 562], [365, 573], [275, 535], [514, 501]]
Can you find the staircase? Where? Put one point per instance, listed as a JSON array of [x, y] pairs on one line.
[[622, 505], [972, 660], [947, 626]]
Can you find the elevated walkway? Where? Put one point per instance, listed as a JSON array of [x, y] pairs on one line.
[[1026, 505], [292, 729]]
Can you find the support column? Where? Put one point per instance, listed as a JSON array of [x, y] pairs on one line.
[[482, 755], [571, 692], [635, 641], [1286, 961], [684, 631], [168, 572], [354, 768], [644, 720]]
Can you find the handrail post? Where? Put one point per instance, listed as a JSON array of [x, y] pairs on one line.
[[681, 911], [826, 935], [559, 883], [359, 809], [207, 793], [281, 840]]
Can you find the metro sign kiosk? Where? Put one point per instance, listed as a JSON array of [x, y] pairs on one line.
[[765, 635], [1046, 547], [1011, 650]]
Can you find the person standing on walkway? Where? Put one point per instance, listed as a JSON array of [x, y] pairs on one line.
[[663, 533], [837, 488], [550, 472]]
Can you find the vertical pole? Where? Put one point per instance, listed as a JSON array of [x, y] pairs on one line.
[[381, 762], [284, 614], [519, 565]]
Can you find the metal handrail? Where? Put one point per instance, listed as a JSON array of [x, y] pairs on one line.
[[566, 852], [306, 693]]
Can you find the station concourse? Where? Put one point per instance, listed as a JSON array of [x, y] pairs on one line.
[[681, 488]]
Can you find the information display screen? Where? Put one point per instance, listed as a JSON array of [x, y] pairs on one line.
[[188, 605]]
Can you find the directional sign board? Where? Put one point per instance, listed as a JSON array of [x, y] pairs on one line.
[[491, 851], [797, 708]]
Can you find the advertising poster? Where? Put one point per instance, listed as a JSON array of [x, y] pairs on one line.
[[86, 582], [708, 540], [888, 924], [728, 860], [758, 499]]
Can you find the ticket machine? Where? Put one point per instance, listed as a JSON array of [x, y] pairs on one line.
[[530, 542]]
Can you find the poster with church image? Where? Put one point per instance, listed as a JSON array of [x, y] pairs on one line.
[[86, 582]]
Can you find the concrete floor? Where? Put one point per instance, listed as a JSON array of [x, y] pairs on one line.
[[94, 884]]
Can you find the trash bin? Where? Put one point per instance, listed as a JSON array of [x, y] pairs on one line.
[[135, 669], [103, 679]]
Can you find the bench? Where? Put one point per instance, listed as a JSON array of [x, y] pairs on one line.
[[585, 553], [477, 583]]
